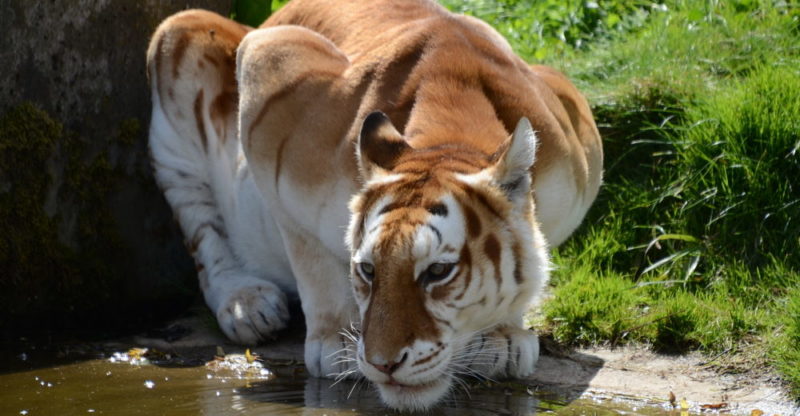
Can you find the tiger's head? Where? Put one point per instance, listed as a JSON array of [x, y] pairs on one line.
[[444, 245]]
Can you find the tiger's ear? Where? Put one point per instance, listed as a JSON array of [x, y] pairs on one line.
[[512, 171], [380, 145]]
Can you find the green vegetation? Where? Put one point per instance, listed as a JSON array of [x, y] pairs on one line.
[[546, 28], [254, 12], [693, 241]]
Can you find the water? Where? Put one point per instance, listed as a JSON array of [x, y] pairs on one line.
[[45, 383]]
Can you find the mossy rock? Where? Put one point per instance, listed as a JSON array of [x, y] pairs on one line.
[[87, 241], [64, 262]]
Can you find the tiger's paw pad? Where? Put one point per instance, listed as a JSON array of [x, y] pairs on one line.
[[253, 313]]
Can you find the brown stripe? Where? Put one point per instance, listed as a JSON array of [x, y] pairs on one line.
[[444, 321], [211, 59], [224, 105], [481, 302], [465, 261], [508, 352], [199, 235], [315, 46], [488, 204], [279, 160], [285, 91], [462, 80], [481, 197], [441, 292], [159, 56], [516, 298], [178, 52], [473, 222], [517, 250], [198, 116], [492, 249], [426, 359]]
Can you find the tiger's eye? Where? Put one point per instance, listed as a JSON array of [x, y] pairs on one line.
[[367, 270], [436, 269], [436, 272]]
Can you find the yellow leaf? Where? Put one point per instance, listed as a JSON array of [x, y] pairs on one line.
[[756, 412], [250, 358], [684, 404], [137, 353]]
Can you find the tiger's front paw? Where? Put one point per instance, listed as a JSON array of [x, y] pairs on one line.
[[253, 312], [331, 356], [504, 352]]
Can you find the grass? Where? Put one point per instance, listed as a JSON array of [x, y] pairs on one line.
[[693, 242]]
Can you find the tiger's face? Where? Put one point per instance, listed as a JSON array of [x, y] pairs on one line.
[[444, 246]]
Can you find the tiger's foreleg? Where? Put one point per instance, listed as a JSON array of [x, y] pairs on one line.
[[328, 305], [198, 165], [287, 75]]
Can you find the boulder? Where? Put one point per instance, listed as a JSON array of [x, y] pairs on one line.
[[86, 238]]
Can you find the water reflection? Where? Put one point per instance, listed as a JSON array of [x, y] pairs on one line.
[[122, 389], [312, 396]]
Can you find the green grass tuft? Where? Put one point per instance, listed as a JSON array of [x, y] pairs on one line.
[[785, 350], [592, 308], [693, 241]]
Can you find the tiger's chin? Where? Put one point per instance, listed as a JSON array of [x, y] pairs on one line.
[[416, 397]]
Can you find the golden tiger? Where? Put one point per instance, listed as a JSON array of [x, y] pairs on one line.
[[426, 125]]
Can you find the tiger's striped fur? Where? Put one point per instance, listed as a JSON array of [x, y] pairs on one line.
[[426, 125]]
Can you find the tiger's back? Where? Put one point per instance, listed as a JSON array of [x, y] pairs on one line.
[[444, 78]]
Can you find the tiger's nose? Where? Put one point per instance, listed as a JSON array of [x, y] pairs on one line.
[[386, 366]]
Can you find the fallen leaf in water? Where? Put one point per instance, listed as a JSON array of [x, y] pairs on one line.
[[672, 399], [243, 365], [137, 353], [714, 406], [220, 351], [250, 357], [684, 404], [756, 412]]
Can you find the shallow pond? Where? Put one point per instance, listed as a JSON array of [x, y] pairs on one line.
[[98, 384]]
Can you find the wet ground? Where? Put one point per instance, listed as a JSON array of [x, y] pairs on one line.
[[108, 383]]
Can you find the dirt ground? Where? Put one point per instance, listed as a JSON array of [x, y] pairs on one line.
[[633, 375]]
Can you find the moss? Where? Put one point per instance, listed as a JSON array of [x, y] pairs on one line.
[[130, 131], [27, 139], [58, 243]]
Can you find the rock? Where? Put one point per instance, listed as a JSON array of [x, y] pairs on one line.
[[86, 238]]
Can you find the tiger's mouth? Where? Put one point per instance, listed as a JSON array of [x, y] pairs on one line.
[[413, 397], [409, 388]]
